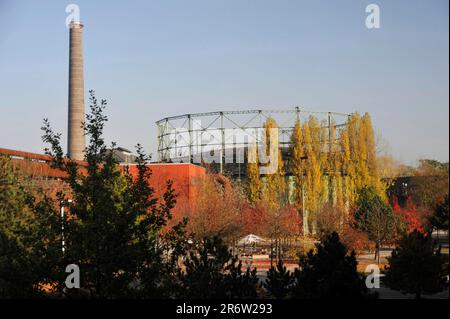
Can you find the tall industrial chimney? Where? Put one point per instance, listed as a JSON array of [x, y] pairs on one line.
[[76, 139]]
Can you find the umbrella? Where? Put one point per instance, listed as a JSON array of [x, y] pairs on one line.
[[251, 239]]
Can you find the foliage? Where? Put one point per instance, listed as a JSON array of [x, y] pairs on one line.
[[254, 186], [30, 242], [356, 239], [329, 273], [389, 167], [269, 208], [431, 182], [439, 219], [279, 281], [313, 178], [273, 191], [297, 165], [217, 209], [432, 167], [409, 217], [212, 272], [330, 219], [375, 217], [362, 169], [415, 267], [114, 230], [255, 219], [330, 166]]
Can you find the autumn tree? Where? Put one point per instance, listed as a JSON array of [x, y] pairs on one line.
[[297, 163], [313, 172], [431, 182], [217, 210], [409, 216], [374, 178], [348, 170], [335, 172], [291, 221], [330, 219], [274, 183], [350, 136], [324, 154], [430, 167], [359, 161], [255, 219], [389, 167], [254, 186], [274, 196]]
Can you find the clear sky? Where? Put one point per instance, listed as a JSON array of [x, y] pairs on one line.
[[153, 59]]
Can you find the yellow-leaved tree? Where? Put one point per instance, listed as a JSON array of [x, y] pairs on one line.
[[274, 190], [359, 158], [297, 163], [253, 179]]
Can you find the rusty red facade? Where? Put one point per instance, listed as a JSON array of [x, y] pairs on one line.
[[183, 176]]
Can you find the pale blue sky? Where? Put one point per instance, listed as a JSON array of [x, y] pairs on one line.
[[153, 59]]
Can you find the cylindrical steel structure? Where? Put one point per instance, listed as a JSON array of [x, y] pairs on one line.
[[182, 137], [76, 139]]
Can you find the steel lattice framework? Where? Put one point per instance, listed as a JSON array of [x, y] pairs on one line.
[[182, 137]]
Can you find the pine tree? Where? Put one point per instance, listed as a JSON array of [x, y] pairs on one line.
[[279, 281], [329, 273], [415, 267], [212, 272]]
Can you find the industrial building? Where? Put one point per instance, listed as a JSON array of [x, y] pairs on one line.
[[184, 141], [51, 180], [221, 139]]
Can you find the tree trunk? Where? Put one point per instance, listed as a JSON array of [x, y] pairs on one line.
[[271, 253], [376, 252], [379, 253]]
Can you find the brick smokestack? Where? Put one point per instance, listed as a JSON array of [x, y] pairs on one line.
[[76, 139]]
